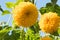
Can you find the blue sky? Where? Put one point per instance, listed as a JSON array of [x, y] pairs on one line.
[[39, 4]]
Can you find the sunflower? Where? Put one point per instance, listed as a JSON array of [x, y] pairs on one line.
[[46, 38], [49, 22], [25, 14]]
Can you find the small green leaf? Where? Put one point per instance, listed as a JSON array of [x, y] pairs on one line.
[[50, 9], [55, 33], [5, 12], [58, 30], [15, 34], [0, 27], [52, 36], [48, 4], [43, 10], [57, 9], [10, 4], [54, 1], [18, 1], [9, 34], [4, 32]]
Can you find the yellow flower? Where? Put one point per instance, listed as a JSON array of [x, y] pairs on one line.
[[25, 14], [49, 22], [46, 38]]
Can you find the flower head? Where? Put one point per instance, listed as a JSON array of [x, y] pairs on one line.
[[49, 22], [46, 38], [25, 14]]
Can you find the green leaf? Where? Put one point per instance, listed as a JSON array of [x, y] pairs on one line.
[[57, 9], [5, 12], [35, 28], [10, 4], [4, 32], [50, 9], [48, 4], [43, 10], [52, 36], [58, 30], [55, 33], [22, 34], [0, 27], [30, 35], [15, 35], [18, 1], [54, 1]]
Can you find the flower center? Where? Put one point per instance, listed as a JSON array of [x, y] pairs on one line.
[[27, 14]]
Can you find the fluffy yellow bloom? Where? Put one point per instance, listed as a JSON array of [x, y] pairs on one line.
[[49, 22], [46, 38], [25, 14]]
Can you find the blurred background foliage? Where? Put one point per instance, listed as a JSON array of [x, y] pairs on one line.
[[33, 33]]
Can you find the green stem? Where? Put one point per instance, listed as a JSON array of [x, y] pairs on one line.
[[35, 29], [8, 20], [22, 34]]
